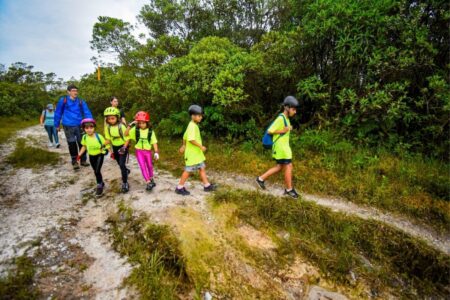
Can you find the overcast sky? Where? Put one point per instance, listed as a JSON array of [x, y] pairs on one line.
[[54, 35]]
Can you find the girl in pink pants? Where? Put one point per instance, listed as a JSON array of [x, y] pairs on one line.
[[145, 140]]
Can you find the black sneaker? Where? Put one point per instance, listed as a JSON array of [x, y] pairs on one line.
[[75, 165], [125, 187], [292, 193], [58, 145], [99, 190], [261, 183], [149, 186], [182, 191], [210, 188], [85, 164]]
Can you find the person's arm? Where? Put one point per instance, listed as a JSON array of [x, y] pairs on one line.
[[123, 120], [58, 113], [41, 119], [87, 113], [82, 150], [278, 127], [195, 143], [129, 128]]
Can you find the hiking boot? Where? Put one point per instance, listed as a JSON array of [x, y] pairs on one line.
[[149, 187], [261, 183], [125, 187], [182, 191], [99, 190], [292, 193], [75, 165], [210, 188], [85, 164]]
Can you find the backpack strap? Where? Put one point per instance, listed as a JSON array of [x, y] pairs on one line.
[[285, 124], [138, 135], [120, 131], [102, 147]]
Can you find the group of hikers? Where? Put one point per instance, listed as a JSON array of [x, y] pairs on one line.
[[80, 130]]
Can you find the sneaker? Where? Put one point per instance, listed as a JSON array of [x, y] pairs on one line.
[[50, 145], [261, 183], [125, 187], [210, 188], [75, 165], [149, 187], [182, 191], [292, 193], [152, 182], [85, 164], [57, 145], [99, 190]]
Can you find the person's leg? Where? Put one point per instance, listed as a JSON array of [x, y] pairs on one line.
[[203, 178], [270, 172], [288, 176], [96, 164], [71, 142], [149, 163], [183, 179], [49, 133], [55, 135], [123, 166], [140, 156], [78, 139]]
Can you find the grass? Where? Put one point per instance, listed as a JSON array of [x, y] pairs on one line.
[[412, 186], [12, 124], [19, 282], [25, 156], [386, 259], [161, 270]]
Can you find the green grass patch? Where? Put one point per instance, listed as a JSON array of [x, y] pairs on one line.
[[409, 185], [160, 271], [12, 124], [344, 247], [25, 156], [19, 282]]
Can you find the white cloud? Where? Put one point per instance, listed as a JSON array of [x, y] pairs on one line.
[[54, 36]]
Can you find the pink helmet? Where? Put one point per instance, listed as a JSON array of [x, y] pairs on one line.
[[88, 120]]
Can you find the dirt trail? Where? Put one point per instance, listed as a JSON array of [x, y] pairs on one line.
[[426, 233], [46, 205]]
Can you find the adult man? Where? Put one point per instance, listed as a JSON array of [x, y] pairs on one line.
[[71, 110]]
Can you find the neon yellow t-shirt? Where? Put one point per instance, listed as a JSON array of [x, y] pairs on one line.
[[92, 144], [112, 134], [143, 143], [193, 155], [281, 148]]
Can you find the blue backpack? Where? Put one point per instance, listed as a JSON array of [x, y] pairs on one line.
[[267, 139]]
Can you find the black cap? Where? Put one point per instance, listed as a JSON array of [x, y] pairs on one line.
[[290, 101], [195, 109]]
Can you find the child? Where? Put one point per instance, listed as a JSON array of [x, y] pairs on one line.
[[144, 138], [193, 153], [281, 151], [47, 119], [94, 143], [114, 134]]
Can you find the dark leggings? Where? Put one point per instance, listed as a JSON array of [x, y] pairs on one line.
[[121, 161], [96, 164]]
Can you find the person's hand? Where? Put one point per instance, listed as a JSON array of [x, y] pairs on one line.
[[287, 129], [122, 150], [111, 154], [182, 148], [132, 124], [156, 156], [78, 157], [203, 148], [58, 128]]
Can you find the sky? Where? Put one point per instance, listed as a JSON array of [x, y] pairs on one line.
[[53, 35]]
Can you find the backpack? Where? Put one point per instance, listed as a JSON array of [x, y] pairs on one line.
[[98, 139], [138, 134], [120, 130], [267, 139]]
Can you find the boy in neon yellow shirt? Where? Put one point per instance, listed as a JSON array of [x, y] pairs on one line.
[[193, 153], [281, 150], [94, 143]]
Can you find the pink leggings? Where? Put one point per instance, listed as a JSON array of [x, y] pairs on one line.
[[144, 158]]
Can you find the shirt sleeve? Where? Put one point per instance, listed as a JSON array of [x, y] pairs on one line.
[[132, 134], [153, 139], [190, 133], [83, 140], [107, 136], [277, 125], [102, 140], [58, 112]]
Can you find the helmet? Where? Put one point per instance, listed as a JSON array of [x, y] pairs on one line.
[[142, 116], [111, 111], [290, 101], [195, 110], [88, 120]]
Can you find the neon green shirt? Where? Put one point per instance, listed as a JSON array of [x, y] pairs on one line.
[[112, 134], [281, 148], [193, 155], [143, 143], [92, 144]]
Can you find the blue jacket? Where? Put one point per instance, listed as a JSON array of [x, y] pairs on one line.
[[70, 112]]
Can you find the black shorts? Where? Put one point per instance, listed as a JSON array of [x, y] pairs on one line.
[[283, 161]]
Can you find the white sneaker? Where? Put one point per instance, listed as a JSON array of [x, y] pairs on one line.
[[50, 145]]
